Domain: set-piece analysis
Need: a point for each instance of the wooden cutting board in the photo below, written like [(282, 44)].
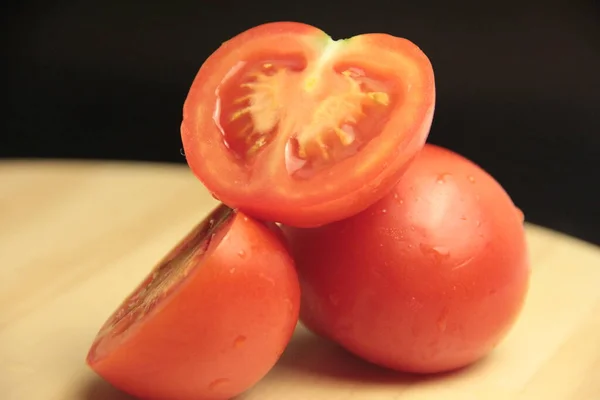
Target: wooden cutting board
[(75, 238)]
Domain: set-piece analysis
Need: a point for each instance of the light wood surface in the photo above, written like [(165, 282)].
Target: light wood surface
[(75, 238)]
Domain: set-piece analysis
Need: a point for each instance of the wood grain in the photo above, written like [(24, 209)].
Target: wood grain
[(76, 237)]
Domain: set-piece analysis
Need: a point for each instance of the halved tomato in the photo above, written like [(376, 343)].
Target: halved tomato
[(209, 321), (289, 125)]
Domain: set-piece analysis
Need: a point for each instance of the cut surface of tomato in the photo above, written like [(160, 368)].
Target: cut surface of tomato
[(209, 321), (289, 125)]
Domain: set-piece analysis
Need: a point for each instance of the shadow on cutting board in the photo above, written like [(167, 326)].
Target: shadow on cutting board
[(98, 389), (312, 355), (308, 357)]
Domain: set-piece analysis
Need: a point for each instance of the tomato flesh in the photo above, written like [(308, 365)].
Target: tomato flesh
[(209, 321), (429, 279), (279, 115), (317, 127)]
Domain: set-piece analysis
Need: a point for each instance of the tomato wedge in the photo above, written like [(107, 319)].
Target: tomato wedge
[(287, 124), (210, 320)]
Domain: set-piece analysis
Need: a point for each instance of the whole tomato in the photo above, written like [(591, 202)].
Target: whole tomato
[(428, 279)]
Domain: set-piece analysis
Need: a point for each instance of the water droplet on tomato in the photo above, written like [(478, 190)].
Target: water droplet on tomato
[(471, 178), (478, 223), (182, 152), (441, 250), (289, 304), (442, 321), (414, 304), (232, 270), (384, 211), (441, 178), (520, 214), (214, 196), (218, 382), (437, 253), (239, 341), (412, 228), (267, 278), (242, 254), (293, 163)]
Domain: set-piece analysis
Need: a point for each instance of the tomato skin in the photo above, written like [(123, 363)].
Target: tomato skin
[(429, 279), (267, 192), (219, 331)]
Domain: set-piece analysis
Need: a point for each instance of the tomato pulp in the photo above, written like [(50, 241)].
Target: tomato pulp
[(428, 279), (209, 321), (286, 124)]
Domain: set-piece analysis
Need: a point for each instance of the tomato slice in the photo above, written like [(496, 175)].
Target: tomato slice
[(210, 320), (289, 125)]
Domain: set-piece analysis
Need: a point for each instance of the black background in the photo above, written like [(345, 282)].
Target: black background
[(517, 83)]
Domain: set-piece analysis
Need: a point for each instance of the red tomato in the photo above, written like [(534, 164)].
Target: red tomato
[(428, 279), (288, 125), (209, 321)]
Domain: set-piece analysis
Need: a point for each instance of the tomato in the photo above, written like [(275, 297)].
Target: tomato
[(429, 279), (209, 321), (286, 124)]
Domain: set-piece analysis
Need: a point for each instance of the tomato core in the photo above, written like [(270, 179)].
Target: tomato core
[(317, 111)]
